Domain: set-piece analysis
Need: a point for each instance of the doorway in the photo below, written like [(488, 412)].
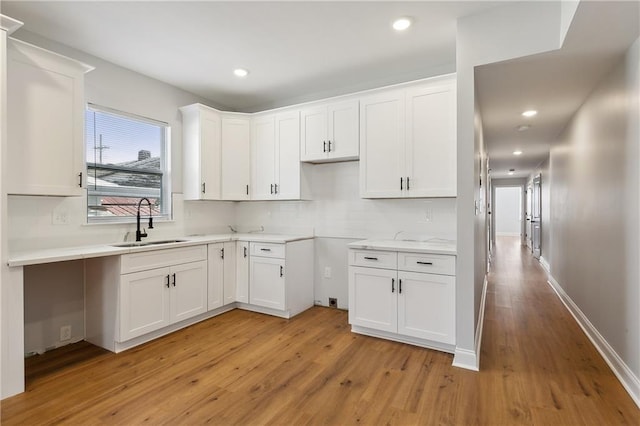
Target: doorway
[(507, 211)]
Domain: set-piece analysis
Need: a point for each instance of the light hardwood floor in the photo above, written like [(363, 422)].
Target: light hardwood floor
[(537, 367)]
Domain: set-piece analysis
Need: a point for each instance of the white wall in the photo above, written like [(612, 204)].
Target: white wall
[(594, 174), (507, 210)]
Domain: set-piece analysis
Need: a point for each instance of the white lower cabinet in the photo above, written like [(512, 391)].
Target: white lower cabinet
[(222, 274), (242, 271), (267, 282), (396, 294)]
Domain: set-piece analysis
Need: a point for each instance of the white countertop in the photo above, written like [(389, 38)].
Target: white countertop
[(435, 246), (34, 257)]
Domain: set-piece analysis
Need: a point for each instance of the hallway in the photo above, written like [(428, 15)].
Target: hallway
[(543, 368)]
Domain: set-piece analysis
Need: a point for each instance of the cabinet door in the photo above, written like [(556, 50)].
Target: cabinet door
[(431, 141), (236, 155), (373, 298), (242, 271), (266, 282), (45, 119), (426, 306), (313, 134), (210, 155), (288, 156), (229, 260), (189, 290), (382, 122), (215, 276), (263, 158), (144, 302), (343, 138)]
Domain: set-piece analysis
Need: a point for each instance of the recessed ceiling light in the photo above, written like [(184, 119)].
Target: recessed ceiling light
[(517, 152), (529, 113), (240, 72), (401, 24), (523, 127)]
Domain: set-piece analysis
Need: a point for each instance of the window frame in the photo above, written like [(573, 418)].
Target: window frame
[(165, 163)]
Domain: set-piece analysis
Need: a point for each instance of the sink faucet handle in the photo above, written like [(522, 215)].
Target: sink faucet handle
[(150, 222)]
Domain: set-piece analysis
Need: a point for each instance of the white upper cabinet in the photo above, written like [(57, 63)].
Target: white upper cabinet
[(236, 151), (408, 141), (329, 132), (275, 157), (201, 153), (45, 148)]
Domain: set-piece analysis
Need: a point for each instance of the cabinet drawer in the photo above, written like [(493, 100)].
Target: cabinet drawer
[(431, 263), (373, 258), (144, 260), (268, 250)]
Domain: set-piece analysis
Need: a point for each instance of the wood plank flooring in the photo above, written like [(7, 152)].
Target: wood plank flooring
[(537, 368)]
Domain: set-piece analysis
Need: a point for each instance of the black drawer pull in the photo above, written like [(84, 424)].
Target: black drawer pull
[(370, 258), (400, 286), (264, 249), (393, 281), (424, 263)]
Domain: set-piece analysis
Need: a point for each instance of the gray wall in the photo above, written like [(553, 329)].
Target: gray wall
[(594, 209)]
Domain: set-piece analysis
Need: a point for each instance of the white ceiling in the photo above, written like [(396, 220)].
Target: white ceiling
[(555, 84), (295, 51)]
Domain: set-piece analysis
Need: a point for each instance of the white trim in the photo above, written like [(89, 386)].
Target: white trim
[(629, 381), (545, 265), (465, 358), (9, 24)]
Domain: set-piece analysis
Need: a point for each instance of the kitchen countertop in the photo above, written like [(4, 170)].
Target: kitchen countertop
[(434, 246), (35, 257)]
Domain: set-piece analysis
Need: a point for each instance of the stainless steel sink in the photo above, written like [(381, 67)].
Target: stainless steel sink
[(147, 243)]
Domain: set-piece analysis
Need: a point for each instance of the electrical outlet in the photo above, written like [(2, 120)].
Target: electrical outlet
[(65, 333), (327, 271), (333, 302), (60, 217)]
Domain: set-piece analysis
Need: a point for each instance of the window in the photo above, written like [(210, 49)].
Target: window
[(127, 160)]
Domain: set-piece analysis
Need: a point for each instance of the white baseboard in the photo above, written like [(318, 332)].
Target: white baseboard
[(629, 380), (465, 358), (545, 264)]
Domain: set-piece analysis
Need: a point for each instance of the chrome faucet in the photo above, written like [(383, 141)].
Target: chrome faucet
[(139, 234)]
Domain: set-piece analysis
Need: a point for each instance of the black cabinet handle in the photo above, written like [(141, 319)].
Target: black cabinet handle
[(324, 146), (408, 183), (247, 189), (424, 263), (264, 249), (393, 285), (400, 286), (272, 188), (204, 188), (174, 280), (245, 251), (276, 187), (167, 280), (80, 179), (400, 184), (222, 253), (329, 146), (281, 270), (370, 258)]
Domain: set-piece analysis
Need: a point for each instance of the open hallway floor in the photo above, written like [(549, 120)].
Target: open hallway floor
[(537, 367)]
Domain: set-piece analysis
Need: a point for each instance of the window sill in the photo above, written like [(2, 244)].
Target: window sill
[(144, 221)]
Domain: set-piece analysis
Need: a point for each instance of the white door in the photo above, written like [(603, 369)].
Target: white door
[(430, 156), (189, 290), (426, 306), (236, 156), (313, 134), (263, 158), (229, 261), (288, 156), (215, 276), (373, 298), (242, 271), (210, 155), (382, 123), (144, 302), (266, 282), (343, 134)]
